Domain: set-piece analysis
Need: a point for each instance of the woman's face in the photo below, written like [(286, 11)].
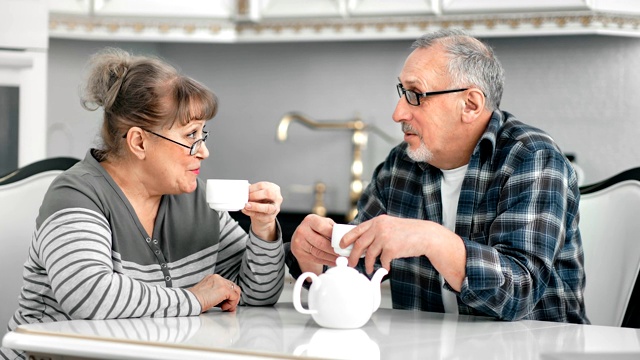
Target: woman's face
[(172, 170)]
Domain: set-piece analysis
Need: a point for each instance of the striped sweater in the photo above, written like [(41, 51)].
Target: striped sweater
[(90, 257)]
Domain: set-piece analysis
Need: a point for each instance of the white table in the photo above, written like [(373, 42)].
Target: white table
[(281, 332)]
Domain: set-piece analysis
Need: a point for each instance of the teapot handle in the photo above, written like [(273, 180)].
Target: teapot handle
[(297, 288)]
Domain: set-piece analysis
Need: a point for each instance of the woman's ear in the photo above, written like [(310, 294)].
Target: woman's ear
[(473, 105), (136, 142)]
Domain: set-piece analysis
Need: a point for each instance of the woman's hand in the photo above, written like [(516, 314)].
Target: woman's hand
[(216, 291), (263, 207)]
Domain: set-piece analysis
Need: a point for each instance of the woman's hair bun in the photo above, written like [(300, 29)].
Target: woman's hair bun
[(106, 72)]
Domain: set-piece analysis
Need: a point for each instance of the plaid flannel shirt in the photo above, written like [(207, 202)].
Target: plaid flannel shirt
[(517, 216)]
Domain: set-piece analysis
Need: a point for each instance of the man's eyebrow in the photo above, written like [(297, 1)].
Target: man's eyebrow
[(409, 82)]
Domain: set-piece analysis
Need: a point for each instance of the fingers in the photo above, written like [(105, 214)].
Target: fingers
[(265, 193), (263, 207), (321, 254), (371, 240), (311, 242), (231, 303), (266, 210), (214, 290)]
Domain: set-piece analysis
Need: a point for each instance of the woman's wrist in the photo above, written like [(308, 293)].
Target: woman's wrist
[(267, 232)]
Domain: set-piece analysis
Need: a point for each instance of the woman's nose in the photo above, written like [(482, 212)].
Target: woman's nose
[(203, 152)]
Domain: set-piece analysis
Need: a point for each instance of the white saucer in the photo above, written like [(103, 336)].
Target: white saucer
[(227, 206)]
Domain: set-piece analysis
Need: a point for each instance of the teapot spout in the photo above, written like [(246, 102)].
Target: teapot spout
[(375, 284)]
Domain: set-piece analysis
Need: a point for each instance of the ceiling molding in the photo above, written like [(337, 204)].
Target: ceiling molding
[(336, 29)]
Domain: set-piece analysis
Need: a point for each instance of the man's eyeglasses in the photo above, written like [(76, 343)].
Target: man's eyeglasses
[(193, 149), (413, 98)]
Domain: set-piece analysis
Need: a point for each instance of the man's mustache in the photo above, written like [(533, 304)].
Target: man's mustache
[(407, 128)]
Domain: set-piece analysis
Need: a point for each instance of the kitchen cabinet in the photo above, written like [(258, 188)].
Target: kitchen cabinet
[(219, 9), (224, 9), (488, 6), (335, 20), (290, 9), (283, 9), (24, 43), (76, 7), (23, 24), (390, 8)]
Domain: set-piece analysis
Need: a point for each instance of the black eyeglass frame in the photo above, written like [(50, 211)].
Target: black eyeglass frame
[(193, 149), (403, 91)]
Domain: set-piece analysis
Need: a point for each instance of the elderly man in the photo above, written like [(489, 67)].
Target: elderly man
[(475, 212)]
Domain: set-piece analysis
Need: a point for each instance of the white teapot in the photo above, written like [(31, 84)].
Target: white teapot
[(341, 298)]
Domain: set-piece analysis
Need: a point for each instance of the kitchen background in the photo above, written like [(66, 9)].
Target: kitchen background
[(562, 76), (583, 90)]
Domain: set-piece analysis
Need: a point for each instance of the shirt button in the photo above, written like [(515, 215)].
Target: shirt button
[(167, 278), (148, 239), (157, 252), (163, 265), (155, 241)]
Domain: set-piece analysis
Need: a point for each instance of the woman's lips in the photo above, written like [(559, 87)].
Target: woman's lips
[(196, 171)]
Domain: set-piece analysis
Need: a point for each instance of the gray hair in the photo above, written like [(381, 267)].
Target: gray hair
[(472, 62), (141, 91)]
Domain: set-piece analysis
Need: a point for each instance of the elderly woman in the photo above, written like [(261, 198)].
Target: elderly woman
[(127, 231)]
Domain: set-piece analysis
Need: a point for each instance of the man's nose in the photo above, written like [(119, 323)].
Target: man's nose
[(401, 112)]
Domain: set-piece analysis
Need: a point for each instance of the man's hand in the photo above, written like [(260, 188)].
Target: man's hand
[(389, 238), (311, 244)]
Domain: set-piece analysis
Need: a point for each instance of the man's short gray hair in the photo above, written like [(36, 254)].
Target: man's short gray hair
[(472, 63)]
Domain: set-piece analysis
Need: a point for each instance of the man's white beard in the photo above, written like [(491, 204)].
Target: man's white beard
[(422, 153)]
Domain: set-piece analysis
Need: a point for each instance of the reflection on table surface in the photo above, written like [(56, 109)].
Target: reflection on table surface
[(282, 332)]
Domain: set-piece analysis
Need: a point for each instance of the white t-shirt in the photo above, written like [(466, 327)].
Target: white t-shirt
[(450, 186)]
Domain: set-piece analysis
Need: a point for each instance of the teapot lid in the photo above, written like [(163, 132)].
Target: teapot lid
[(342, 268)]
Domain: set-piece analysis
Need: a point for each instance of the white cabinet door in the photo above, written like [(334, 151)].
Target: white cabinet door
[(24, 24), (484, 6), (75, 7), (393, 7), (166, 8), (292, 9), (621, 6)]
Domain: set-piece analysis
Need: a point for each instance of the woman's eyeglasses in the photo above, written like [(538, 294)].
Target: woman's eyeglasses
[(193, 149)]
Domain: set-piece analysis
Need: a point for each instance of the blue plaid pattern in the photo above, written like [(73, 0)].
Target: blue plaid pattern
[(517, 216)]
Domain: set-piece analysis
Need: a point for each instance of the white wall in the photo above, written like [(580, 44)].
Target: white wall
[(581, 89)]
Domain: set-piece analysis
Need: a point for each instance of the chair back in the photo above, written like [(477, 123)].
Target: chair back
[(610, 230), (21, 194)]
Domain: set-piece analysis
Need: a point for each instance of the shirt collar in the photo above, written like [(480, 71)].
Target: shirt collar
[(486, 146)]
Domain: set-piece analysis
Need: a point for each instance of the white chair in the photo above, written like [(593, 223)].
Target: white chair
[(610, 229), (21, 194)]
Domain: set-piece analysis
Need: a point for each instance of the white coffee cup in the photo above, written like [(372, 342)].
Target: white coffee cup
[(336, 235), (227, 195)]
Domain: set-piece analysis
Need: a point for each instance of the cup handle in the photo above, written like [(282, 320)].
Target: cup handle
[(297, 288)]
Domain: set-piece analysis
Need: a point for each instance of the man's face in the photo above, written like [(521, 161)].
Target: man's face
[(430, 128)]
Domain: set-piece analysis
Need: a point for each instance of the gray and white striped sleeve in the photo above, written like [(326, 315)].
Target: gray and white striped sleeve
[(256, 265), (74, 245)]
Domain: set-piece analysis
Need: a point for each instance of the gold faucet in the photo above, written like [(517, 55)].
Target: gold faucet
[(318, 206), (358, 139)]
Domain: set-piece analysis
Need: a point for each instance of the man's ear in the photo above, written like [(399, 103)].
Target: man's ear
[(473, 105), (136, 142)]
